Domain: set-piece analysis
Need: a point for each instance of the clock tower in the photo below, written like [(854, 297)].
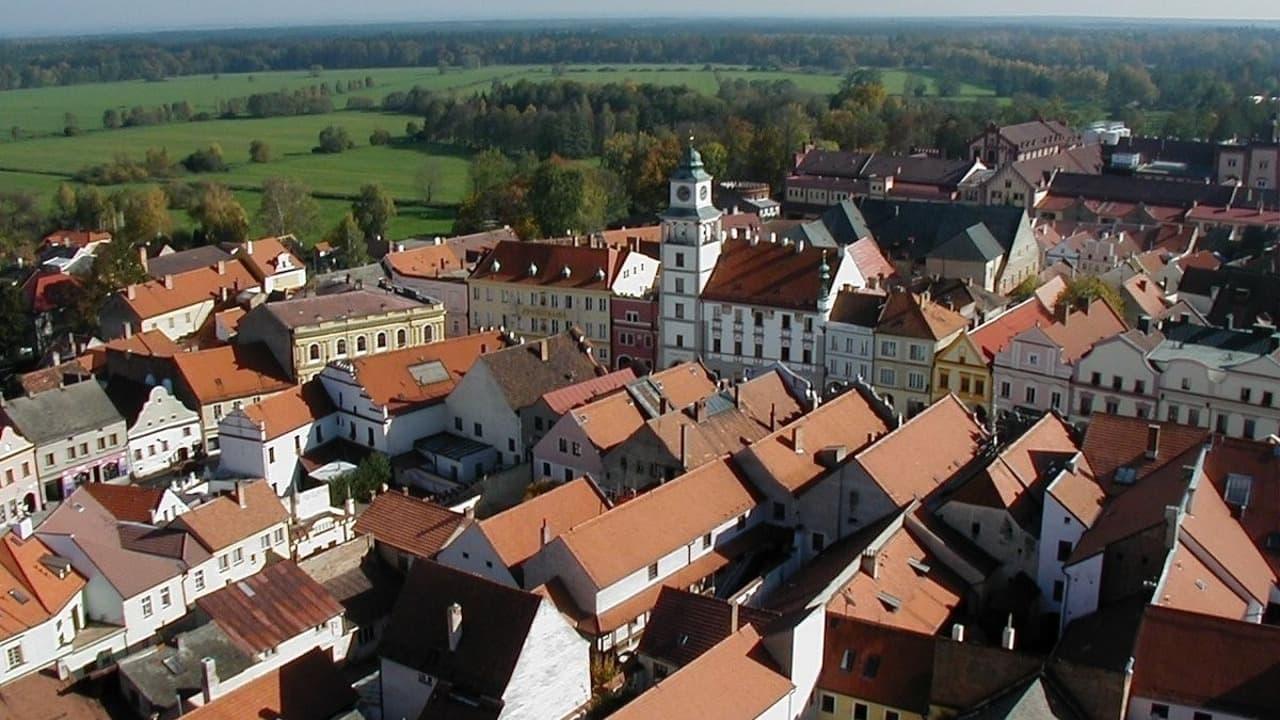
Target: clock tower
[(691, 244)]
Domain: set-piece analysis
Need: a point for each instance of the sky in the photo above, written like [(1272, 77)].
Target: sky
[(45, 17)]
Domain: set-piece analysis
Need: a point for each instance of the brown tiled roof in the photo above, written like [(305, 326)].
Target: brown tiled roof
[(858, 307), (30, 591), (684, 384), (1083, 329), (428, 261), (75, 238), (629, 537), (1037, 133), (152, 298), (896, 464), (418, 527), (308, 688), (589, 268), (151, 342), (389, 380), (222, 522), (1259, 462), (870, 260), (736, 679), (128, 503), (848, 420), (1205, 662), (495, 627), (316, 309), (260, 256), (1086, 159), (769, 274), (609, 421), (1193, 586), (926, 600), (523, 376), (1144, 293), (684, 625), (994, 335), (563, 400), (231, 371), (264, 610), (516, 534), (291, 409), (1215, 529), (906, 314), (877, 663), (1112, 442), (1137, 508)]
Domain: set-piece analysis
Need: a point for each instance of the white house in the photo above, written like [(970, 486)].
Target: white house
[(272, 264), (163, 432), (239, 529), (42, 601), (266, 439), (851, 336), (1115, 377), (457, 641), (19, 486)]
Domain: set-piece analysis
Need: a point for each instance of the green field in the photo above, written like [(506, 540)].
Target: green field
[(42, 157)]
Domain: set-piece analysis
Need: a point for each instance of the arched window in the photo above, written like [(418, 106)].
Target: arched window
[(382, 341), (400, 337), (341, 347), (313, 352), (428, 333), (362, 344)]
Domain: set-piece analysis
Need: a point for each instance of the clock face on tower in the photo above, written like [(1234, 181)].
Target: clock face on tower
[(702, 194), (682, 193)]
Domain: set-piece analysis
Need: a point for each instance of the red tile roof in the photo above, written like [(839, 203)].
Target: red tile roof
[(154, 297), (308, 688), (31, 592), (389, 378), (1205, 662), (896, 464), (627, 538), (418, 527), (1084, 328), (877, 663), (684, 625), (871, 262), (994, 335), (563, 400), (906, 314), (736, 679), (221, 522), (769, 274), (74, 238), (231, 372), (45, 291), (264, 610), (428, 261), (261, 256), (291, 409), (1112, 442), (151, 342), (588, 268), (127, 503), (516, 534), (1259, 462)]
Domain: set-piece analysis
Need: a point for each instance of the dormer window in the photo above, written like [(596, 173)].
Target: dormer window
[(533, 269), (1239, 489)]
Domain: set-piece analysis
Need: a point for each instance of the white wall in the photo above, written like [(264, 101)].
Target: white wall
[(1140, 709), (164, 426), (181, 322), (1057, 525), (637, 275), (477, 399), (1084, 583), (552, 677), (43, 644), (471, 551)]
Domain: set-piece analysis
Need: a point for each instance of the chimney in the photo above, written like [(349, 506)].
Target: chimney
[(249, 247), (23, 529), (684, 447), (957, 632), (168, 282), (733, 617), (142, 257), (208, 679), (737, 396), (1144, 324), (349, 507), (544, 350), (544, 533), (1061, 312), (453, 620), (700, 411), (773, 416), (128, 330), (222, 267), (797, 439), (1008, 634), (131, 292), (1153, 441), (240, 498), (664, 405), (869, 565)]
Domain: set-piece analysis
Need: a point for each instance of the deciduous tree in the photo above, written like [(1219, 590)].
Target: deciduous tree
[(287, 207)]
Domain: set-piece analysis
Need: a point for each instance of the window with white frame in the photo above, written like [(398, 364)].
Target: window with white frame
[(146, 607), (13, 656)]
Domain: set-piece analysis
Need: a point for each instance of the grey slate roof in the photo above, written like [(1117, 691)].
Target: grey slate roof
[(524, 377), (1033, 700), (62, 412), (915, 229), (326, 308), (185, 260), (973, 244), (171, 673), (840, 225), (1214, 347)]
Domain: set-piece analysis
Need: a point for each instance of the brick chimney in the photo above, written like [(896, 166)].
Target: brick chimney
[(168, 282), (453, 620), (544, 533), (240, 498)]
